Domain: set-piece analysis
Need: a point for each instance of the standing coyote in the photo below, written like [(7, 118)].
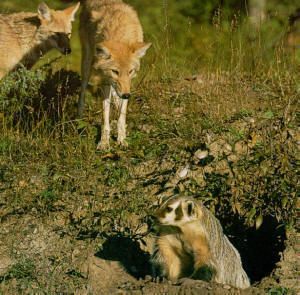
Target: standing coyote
[(112, 46), (191, 242), (25, 37)]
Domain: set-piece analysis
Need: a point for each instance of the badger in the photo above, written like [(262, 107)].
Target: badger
[(190, 242)]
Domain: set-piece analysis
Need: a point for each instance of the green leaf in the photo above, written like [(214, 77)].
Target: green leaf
[(284, 202), (259, 220), (268, 115), (81, 124), (252, 213)]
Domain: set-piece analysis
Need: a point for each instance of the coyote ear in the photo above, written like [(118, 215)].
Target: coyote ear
[(44, 12), (103, 51), (141, 48), (72, 11)]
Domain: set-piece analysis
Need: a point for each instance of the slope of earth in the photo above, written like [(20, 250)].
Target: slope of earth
[(74, 220)]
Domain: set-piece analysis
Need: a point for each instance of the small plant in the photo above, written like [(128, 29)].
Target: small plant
[(24, 269), (45, 200), (115, 175), (18, 95), (279, 291)]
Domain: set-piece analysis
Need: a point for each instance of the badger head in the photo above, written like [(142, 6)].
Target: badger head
[(177, 211)]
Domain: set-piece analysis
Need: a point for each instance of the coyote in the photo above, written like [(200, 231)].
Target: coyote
[(25, 37), (112, 46), (191, 242)]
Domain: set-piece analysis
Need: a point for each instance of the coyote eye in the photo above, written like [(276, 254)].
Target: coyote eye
[(169, 209), (116, 72), (131, 71)]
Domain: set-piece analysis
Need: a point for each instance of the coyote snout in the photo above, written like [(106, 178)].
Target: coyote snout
[(61, 41), (25, 37), (112, 46)]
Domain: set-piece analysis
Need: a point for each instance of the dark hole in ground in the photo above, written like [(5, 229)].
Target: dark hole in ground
[(260, 249), (128, 252)]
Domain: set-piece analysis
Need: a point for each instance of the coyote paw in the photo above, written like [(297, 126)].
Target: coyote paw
[(103, 145), (123, 143)]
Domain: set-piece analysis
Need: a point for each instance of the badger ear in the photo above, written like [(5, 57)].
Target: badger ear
[(44, 12), (190, 208)]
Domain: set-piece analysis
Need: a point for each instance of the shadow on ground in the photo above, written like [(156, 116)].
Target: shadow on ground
[(128, 252), (51, 103)]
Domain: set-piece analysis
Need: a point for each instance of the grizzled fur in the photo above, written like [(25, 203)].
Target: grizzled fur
[(190, 243)]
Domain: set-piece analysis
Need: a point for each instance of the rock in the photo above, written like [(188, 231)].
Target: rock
[(295, 134), (232, 158), (240, 148), (219, 148), (198, 176), (180, 174), (147, 128), (227, 149), (222, 168), (250, 120), (208, 169), (216, 148), (183, 172), (5, 261), (200, 154)]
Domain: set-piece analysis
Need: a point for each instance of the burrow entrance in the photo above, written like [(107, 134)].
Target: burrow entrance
[(259, 248)]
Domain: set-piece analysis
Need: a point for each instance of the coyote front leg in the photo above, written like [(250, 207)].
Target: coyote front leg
[(105, 134), (122, 123)]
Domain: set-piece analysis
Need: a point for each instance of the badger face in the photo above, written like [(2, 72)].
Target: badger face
[(177, 211)]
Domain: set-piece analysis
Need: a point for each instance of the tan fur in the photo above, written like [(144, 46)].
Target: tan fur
[(112, 45), (24, 37), (191, 243)]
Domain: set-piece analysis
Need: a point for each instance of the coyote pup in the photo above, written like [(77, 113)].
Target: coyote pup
[(191, 242), (25, 37), (112, 46)]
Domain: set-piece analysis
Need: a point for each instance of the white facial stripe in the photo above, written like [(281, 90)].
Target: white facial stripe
[(167, 201), (170, 217)]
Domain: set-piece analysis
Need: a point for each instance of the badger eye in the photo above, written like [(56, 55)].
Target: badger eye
[(169, 209), (116, 72), (190, 209)]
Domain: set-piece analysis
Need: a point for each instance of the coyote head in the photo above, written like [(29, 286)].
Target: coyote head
[(56, 26), (118, 63)]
